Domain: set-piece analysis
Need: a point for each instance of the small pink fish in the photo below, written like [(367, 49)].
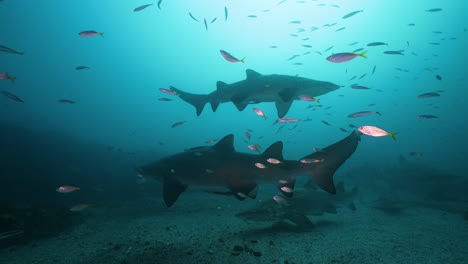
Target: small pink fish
[(259, 112), (166, 91), (375, 132), (308, 98), (80, 207), (273, 161), (254, 147), (287, 120), (247, 135), (260, 165), (211, 141), (309, 161), (178, 124), (67, 189), (280, 200), (344, 57), (5, 76), (90, 33), (286, 189), (229, 57), (283, 181), (65, 101)]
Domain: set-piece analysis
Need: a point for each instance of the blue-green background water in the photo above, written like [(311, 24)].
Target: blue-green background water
[(117, 99)]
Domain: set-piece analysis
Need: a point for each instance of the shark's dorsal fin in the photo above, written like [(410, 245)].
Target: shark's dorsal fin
[(283, 107), (251, 74), (225, 145), (274, 151), (220, 85)]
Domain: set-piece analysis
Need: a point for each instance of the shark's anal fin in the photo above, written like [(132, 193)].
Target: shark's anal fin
[(333, 157), (283, 107), (172, 188)]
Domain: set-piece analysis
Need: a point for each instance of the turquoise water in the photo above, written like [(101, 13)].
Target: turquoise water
[(117, 117)]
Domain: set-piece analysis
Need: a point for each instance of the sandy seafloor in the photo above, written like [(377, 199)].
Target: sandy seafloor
[(203, 228)]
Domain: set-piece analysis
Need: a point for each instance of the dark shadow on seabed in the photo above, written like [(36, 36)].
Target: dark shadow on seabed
[(35, 163)]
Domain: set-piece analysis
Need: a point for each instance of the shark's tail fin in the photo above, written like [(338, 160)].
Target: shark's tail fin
[(197, 100), (322, 165)]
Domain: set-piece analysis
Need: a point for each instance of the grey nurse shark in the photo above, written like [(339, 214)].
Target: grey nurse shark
[(258, 88), (306, 202), (222, 170)]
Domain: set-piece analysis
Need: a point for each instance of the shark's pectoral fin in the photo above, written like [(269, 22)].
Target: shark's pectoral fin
[(286, 95), (283, 107), (172, 188), (240, 102), (241, 191)]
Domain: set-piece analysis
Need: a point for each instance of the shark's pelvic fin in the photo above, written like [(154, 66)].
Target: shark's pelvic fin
[(283, 107), (172, 188), (240, 102), (252, 74), (333, 157), (197, 100)]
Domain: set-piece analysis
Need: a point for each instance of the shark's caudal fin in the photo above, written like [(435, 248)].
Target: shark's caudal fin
[(197, 100), (330, 159)]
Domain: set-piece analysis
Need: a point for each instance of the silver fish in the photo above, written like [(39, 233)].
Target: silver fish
[(363, 113), (9, 50), (351, 14)]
